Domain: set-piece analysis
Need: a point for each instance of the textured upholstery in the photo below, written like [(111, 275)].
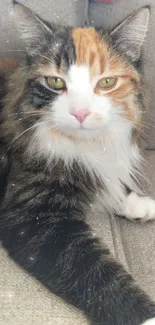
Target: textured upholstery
[(23, 301)]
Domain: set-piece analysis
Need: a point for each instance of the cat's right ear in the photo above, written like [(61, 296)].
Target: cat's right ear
[(33, 30), (128, 37)]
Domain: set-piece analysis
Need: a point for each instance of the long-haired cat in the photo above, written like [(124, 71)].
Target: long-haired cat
[(69, 138)]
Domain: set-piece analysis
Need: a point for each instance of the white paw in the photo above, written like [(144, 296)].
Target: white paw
[(139, 207), (150, 322)]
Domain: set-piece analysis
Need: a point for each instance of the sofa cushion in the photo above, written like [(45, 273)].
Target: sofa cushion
[(108, 16), (70, 12)]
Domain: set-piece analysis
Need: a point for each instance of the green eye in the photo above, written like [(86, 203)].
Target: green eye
[(106, 83), (56, 83)]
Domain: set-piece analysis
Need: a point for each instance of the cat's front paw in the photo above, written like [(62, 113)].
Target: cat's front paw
[(139, 208), (150, 322)]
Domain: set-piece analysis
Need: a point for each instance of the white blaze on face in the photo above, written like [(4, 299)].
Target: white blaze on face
[(80, 90)]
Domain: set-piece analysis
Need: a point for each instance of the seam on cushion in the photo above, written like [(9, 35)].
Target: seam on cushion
[(86, 18), (116, 224)]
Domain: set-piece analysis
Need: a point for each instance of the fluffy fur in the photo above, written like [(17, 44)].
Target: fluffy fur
[(54, 166)]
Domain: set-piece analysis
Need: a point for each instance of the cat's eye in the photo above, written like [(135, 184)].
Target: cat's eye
[(56, 83), (106, 83)]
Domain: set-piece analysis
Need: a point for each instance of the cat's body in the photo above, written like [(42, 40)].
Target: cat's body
[(66, 144)]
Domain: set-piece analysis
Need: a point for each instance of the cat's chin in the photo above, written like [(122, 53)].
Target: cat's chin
[(81, 133)]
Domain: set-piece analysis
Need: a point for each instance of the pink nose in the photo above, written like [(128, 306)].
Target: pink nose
[(81, 114)]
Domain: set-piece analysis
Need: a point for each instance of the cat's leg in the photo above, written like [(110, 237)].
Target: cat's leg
[(138, 207), (67, 259)]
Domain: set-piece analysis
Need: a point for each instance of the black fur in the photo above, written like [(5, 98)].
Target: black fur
[(40, 96)]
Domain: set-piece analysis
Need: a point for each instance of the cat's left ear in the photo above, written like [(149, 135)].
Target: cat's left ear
[(129, 36)]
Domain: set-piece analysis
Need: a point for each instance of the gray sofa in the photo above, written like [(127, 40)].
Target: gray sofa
[(23, 301)]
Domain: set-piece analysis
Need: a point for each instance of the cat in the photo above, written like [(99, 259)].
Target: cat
[(70, 124)]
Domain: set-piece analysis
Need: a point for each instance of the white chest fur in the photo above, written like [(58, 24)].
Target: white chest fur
[(112, 157)]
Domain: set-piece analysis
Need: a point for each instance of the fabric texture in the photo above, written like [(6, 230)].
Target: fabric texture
[(105, 1), (23, 300)]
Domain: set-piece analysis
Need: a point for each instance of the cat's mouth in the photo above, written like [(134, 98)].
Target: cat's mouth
[(81, 132)]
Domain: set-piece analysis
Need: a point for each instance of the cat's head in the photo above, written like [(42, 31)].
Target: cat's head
[(82, 80)]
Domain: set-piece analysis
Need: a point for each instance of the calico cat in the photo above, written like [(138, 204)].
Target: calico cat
[(70, 125)]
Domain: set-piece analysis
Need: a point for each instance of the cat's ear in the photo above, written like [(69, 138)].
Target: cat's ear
[(32, 29), (128, 37)]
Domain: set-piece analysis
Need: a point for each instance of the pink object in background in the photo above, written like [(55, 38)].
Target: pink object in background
[(106, 1)]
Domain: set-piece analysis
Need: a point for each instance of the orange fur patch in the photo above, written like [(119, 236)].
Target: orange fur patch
[(90, 49), (8, 65), (96, 53)]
